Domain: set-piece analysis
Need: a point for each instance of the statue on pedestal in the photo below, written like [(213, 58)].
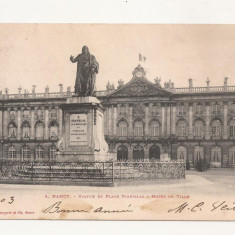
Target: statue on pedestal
[(87, 68)]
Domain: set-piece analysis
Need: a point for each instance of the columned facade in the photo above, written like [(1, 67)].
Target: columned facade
[(188, 124), (142, 120)]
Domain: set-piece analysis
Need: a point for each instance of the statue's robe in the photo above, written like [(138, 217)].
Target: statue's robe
[(85, 79)]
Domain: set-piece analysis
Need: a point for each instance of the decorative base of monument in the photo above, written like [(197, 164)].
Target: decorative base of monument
[(69, 156), (83, 133)]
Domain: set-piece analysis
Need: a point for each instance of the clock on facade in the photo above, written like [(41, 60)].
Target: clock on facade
[(139, 74)]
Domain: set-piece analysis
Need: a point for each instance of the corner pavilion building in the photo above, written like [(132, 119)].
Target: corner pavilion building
[(142, 120)]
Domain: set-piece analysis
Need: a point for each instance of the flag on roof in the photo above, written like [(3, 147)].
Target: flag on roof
[(142, 58)]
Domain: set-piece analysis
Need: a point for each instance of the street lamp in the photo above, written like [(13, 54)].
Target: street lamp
[(2, 148)]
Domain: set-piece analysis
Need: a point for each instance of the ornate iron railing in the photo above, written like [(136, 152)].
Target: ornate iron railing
[(149, 170), (19, 171), (89, 172)]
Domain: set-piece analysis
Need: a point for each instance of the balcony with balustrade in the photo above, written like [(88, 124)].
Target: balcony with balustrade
[(198, 90), (103, 93), (44, 95)]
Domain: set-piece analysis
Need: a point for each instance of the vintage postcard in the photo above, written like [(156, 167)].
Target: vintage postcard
[(117, 122)]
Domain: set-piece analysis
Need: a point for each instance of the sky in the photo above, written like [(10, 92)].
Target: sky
[(38, 54)]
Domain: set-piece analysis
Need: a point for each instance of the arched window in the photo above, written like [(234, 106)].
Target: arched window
[(12, 152), (138, 128), (39, 152), (53, 130), (232, 155), (216, 154), (122, 153), (232, 128), (154, 128), (25, 130), (181, 153), (39, 127), (182, 128), (122, 128), (52, 153), (198, 128), (25, 153), (138, 153), (154, 152), (12, 131), (198, 153), (216, 126)]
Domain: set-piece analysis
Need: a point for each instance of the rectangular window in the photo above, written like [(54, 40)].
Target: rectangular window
[(25, 154), (53, 113), (12, 132), (12, 154), (198, 154), (199, 131), (53, 154), (122, 110), (232, 131), (216, 109), (216, 155), (182, 110), (26, 113), (232, 157), (154, 131), (39, 154), (138, 131), (123, 131), (181, 155), (155, 110), (12, 114), (199, 109), (216, 130), (232, 108), (26, 132), (53, 132), (182, 131)]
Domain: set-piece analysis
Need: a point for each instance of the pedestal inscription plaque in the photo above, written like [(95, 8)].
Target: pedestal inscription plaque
[(78, 129), (83, 133)]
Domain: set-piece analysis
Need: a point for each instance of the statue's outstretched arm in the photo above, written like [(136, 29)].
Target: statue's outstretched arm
[(73, 60)]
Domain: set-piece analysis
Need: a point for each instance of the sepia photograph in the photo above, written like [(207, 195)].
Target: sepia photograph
[(117, 121)]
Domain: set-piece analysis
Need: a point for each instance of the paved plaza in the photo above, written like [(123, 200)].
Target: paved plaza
[(212, 182)]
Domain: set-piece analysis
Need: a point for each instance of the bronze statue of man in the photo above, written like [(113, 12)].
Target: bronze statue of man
[(87, 68)]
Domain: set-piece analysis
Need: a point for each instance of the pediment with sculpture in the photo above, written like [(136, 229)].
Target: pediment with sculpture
[(139, 86)]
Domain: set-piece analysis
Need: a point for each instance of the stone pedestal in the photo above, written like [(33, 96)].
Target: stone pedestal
[(83, 131)]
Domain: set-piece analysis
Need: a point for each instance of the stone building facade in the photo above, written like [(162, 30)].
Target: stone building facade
[(142, 120)]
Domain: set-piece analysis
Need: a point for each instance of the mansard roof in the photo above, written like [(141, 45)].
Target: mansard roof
[(139, 86)]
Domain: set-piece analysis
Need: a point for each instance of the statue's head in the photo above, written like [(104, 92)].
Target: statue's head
[(85, 50)]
